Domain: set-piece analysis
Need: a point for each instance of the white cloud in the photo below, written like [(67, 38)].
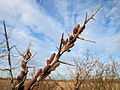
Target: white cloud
[(114, 43)]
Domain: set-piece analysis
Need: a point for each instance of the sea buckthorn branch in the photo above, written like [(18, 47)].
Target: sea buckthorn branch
[(19, 85), (65, 45)]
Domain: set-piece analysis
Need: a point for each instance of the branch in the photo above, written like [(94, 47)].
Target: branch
[(23, 74), (19, 52), (91, 17), (8, 49), (53, 62), (7, 69)]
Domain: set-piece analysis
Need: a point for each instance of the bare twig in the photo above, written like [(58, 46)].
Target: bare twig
[(78, 83), (7, 69), (19, 52), (2, 42), (2, 55), (8, 49)]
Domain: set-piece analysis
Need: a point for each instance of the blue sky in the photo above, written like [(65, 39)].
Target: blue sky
[(43, 21)]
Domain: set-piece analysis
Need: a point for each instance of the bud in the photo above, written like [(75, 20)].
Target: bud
[(68, 50), (70, 46), (52, 57), (75, 30), (66, 41), (56, 65), (71, 37), (45, 69)]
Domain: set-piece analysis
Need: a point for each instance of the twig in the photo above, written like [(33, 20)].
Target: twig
[(2, 55), (79, 83), (8, 49), (7, 69)]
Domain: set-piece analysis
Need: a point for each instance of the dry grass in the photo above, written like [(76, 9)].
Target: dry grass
[(68, 85)]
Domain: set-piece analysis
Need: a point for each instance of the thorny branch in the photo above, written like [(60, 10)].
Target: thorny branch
[(19, 85), (65, 45)]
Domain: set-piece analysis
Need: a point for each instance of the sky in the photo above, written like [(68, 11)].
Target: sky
[(42, 22)]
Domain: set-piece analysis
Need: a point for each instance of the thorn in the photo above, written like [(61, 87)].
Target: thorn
[(60, 44), (93, 18), (68, 33), (57, 47), (28, 48), (97, 10), (29, 45), (17, 71), (86, 40), (19, 52), (12, 47), (65, 63), (86, 17)]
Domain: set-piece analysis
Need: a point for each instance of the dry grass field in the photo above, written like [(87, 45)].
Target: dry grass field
[(68, 85)]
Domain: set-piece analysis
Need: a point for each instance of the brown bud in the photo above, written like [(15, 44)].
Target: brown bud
[(75, 30), (45, 69), (28, 54), (23, 65), (71, 37), (70, 46), (52, 68), (68, 50), (38, 73), (73, 40), (48, 62), (76, 35), (63, 41), (52, 57), (28, 50), (56, 65), (66, 41)]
